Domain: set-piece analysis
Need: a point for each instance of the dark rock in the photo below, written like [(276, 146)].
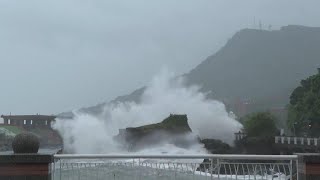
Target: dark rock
[(25, 143), (215, 146), (174, 130)]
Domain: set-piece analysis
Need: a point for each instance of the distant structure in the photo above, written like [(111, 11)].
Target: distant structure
[(240, 135), (28, 121)]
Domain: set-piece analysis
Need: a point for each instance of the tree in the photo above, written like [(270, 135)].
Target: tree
[(304, 108), (261, 129), (260, 125)]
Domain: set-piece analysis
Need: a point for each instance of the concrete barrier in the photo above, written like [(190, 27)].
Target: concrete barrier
[(25, 166), (309, 166)]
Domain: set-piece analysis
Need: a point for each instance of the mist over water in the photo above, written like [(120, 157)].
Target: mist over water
[(207, 118)]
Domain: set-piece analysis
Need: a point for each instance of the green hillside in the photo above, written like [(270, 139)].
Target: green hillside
[(259, 65)]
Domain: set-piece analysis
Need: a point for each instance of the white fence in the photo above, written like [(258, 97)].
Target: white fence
[(176, 167), (305, 141)]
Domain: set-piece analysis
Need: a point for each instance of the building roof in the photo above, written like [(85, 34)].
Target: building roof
[(28, 117)]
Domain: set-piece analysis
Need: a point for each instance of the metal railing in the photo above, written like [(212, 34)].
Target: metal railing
[(176, 167)]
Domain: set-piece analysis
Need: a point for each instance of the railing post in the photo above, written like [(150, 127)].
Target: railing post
[(53, 168), (237, 169), (139, 169), (218, 167), (60, 170), (291, 169), (175, 172), (211, 169), (297, 168)]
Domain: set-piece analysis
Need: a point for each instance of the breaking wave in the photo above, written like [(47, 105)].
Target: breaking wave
[(208, 118)]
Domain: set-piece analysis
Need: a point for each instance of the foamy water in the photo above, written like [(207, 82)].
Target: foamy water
[(207, 118)]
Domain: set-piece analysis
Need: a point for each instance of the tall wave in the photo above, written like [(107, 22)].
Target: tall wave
[(165, 95)]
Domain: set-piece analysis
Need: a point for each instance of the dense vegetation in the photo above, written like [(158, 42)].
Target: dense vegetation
[(260, 66), (304, 108), (260, 129), (260, 125), (216, 146)]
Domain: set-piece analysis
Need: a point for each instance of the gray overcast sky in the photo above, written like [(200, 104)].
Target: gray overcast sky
[(64, 54)]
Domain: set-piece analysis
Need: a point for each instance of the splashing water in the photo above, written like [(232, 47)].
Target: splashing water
[(94, 134)]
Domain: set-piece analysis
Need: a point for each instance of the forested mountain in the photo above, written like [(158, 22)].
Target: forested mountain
[(259, 66)]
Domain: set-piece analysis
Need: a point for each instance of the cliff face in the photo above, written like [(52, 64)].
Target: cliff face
[(173, 129)]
